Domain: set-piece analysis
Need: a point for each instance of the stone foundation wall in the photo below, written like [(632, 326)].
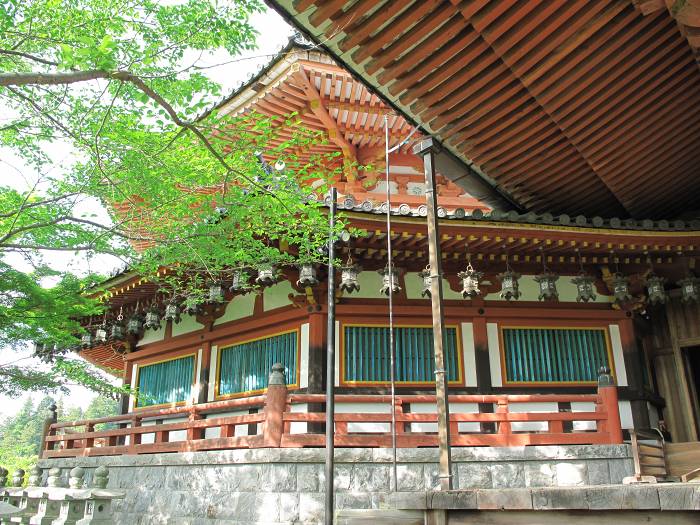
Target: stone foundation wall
[(286, 485)]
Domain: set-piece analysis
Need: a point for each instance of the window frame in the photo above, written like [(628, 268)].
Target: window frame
[(502, 354), (458, 348), (139, 367), (248, 393)]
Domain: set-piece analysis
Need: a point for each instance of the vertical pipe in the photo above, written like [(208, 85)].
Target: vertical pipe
[(330, 363), (426, 148), (392, 349)]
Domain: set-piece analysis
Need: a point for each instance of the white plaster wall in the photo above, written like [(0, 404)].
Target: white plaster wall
[(152, 336), (186, 325), (338, 371), (581, 406), (494, 354), (625, 414), (469, 354), (365, 408), (213, 370), (241, 430), (277, 295), (239, 307), (134, 375), (197, 374), (618, 356), (176, 435), (414, 287), (455, 408), (298, 427), (304, 361), (370, 284), (539, 408)]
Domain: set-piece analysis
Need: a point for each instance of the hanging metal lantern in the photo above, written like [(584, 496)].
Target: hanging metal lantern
[(470, 282), (509, 284), (427, 282), (307, 275), (192, 306), (349, 277), (584, 287), (172, 312), (101, 334), (690, 289), (267, 276), (118, 332), (621, 288), (87, 340), (216, 293), (134, 325), (389, 280), (547, 285), (655, 289), (239, 281), (152, 319)]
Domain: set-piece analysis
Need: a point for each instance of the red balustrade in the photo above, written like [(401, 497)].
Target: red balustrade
[(269, 424)]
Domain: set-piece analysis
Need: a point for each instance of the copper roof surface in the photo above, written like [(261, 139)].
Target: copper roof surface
[(566, 106)]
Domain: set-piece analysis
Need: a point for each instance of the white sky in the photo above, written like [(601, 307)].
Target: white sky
[(274, 34)]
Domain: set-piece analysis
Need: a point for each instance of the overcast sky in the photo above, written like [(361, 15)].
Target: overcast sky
[(274, 34)]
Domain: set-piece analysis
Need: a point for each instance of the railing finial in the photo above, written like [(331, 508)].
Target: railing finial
[(277, 375), (605, 378)]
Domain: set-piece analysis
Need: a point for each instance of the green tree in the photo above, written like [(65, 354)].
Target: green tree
[(154, 164), (19, 438)]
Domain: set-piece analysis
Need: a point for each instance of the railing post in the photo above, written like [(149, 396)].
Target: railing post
[(504, 427), (275, 403), (607, 394), (48, 431)]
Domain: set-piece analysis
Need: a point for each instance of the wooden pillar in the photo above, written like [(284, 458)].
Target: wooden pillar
[(687, 425), (635, 376), (317, 363), (483, 367), (204, 373)]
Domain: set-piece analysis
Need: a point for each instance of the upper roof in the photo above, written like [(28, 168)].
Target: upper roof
[(564, 106)]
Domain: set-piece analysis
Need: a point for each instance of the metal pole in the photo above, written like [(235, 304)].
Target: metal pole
[(330, 363), (392, 346), (426, 148)]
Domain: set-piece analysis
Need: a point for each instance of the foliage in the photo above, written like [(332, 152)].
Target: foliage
[(20, 435), (156, 174)]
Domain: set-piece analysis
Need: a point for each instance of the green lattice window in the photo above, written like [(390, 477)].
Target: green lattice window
[(167, 382), (366, 354), (245, 367), (554, 355)]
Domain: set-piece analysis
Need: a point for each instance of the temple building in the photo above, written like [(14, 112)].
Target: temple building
[(569, 229)]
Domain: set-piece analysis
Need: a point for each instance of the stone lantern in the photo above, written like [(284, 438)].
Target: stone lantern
[(655, 289), (621, 288), (267, 275), (470, 282), (584, 287), (390, 280), (546, 281), (690, 289), (307, 275), (349, 277)]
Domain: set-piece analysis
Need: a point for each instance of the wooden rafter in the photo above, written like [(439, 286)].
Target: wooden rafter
[(316, 104)]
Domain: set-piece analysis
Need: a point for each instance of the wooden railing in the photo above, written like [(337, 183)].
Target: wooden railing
[(272, 420)]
